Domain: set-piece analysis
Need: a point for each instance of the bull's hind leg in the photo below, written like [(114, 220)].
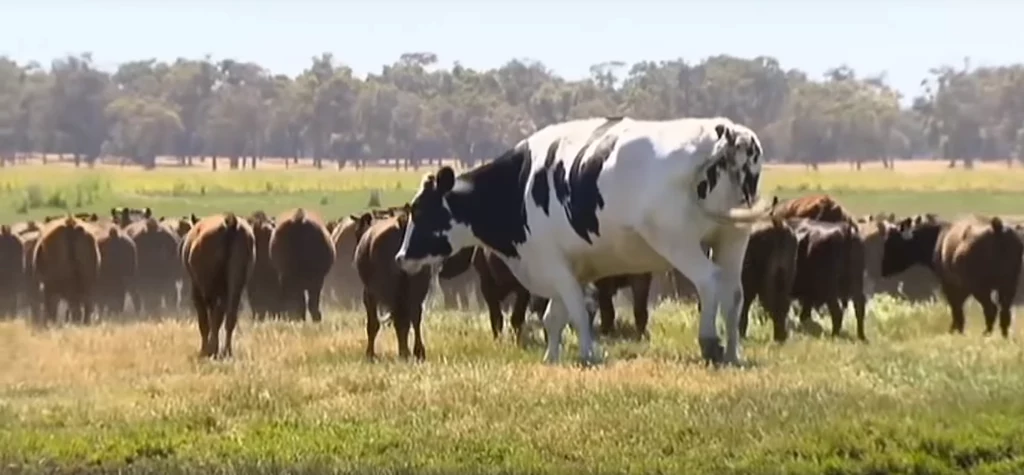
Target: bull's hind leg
[(569, 306), (685, 254)]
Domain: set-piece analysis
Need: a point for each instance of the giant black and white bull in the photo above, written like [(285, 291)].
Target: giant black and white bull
[(590, 198)]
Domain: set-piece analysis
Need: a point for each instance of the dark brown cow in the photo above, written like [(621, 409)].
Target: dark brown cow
[(31, 296), (819, 207), (970, 257), (769, 269), (640, 288), (66, 262), (497, 283), (915, 284), (157, 248), (456, 281), (386, 285), (829, 271), (12, 271), (263, 289), (343, 278), (218, 254), (118, 265), (302, 254)]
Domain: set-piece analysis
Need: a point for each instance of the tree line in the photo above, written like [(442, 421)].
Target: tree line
[(415, 111)]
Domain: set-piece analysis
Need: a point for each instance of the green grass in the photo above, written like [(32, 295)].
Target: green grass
[(32, 192), (300, 398)]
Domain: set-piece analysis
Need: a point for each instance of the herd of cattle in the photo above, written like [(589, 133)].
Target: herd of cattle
[(810, 250)]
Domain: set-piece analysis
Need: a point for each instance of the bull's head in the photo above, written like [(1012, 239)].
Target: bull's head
[(432, 233), (740, 150)]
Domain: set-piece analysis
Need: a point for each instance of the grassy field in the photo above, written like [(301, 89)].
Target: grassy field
[(300, 398)]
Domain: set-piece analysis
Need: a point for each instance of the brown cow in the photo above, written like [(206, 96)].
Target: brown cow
[(262, 289), (12, 271), (970, 257), (218, 255), (302, 254), (829, 271), (118, 265), (343, 278), (66, 262), (915, 284), (385, 284), (819, 207), (157, 248), (769, 269)]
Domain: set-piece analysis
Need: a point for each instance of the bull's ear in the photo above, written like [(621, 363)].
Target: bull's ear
[(407, 208), (720, 130), (445, 179)]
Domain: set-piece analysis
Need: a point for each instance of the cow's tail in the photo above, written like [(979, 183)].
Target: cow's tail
[(71, 230), (230, 232)]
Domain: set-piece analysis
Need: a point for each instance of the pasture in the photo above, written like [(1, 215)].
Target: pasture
[(300, 398)]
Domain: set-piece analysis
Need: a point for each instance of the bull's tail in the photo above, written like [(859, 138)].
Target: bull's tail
[(739, 215)]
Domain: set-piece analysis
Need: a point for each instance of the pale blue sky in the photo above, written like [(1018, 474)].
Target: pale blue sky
[(902, 37)]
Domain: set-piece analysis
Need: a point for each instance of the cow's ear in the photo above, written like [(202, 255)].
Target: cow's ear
[(365, 219), (148, 213), (445, 179)]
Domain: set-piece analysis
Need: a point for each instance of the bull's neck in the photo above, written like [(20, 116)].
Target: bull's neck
[(492, 204)]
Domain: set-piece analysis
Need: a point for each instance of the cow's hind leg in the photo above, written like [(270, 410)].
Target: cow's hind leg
[(640, 286), (606, 290), (313, 302), (203, 319), (956, 298), (372, 322), (988, 307)]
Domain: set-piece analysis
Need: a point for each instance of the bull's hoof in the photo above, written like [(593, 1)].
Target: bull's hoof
[(711, 350)]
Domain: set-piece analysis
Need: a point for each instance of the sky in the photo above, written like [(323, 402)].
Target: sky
[(903, 38)]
